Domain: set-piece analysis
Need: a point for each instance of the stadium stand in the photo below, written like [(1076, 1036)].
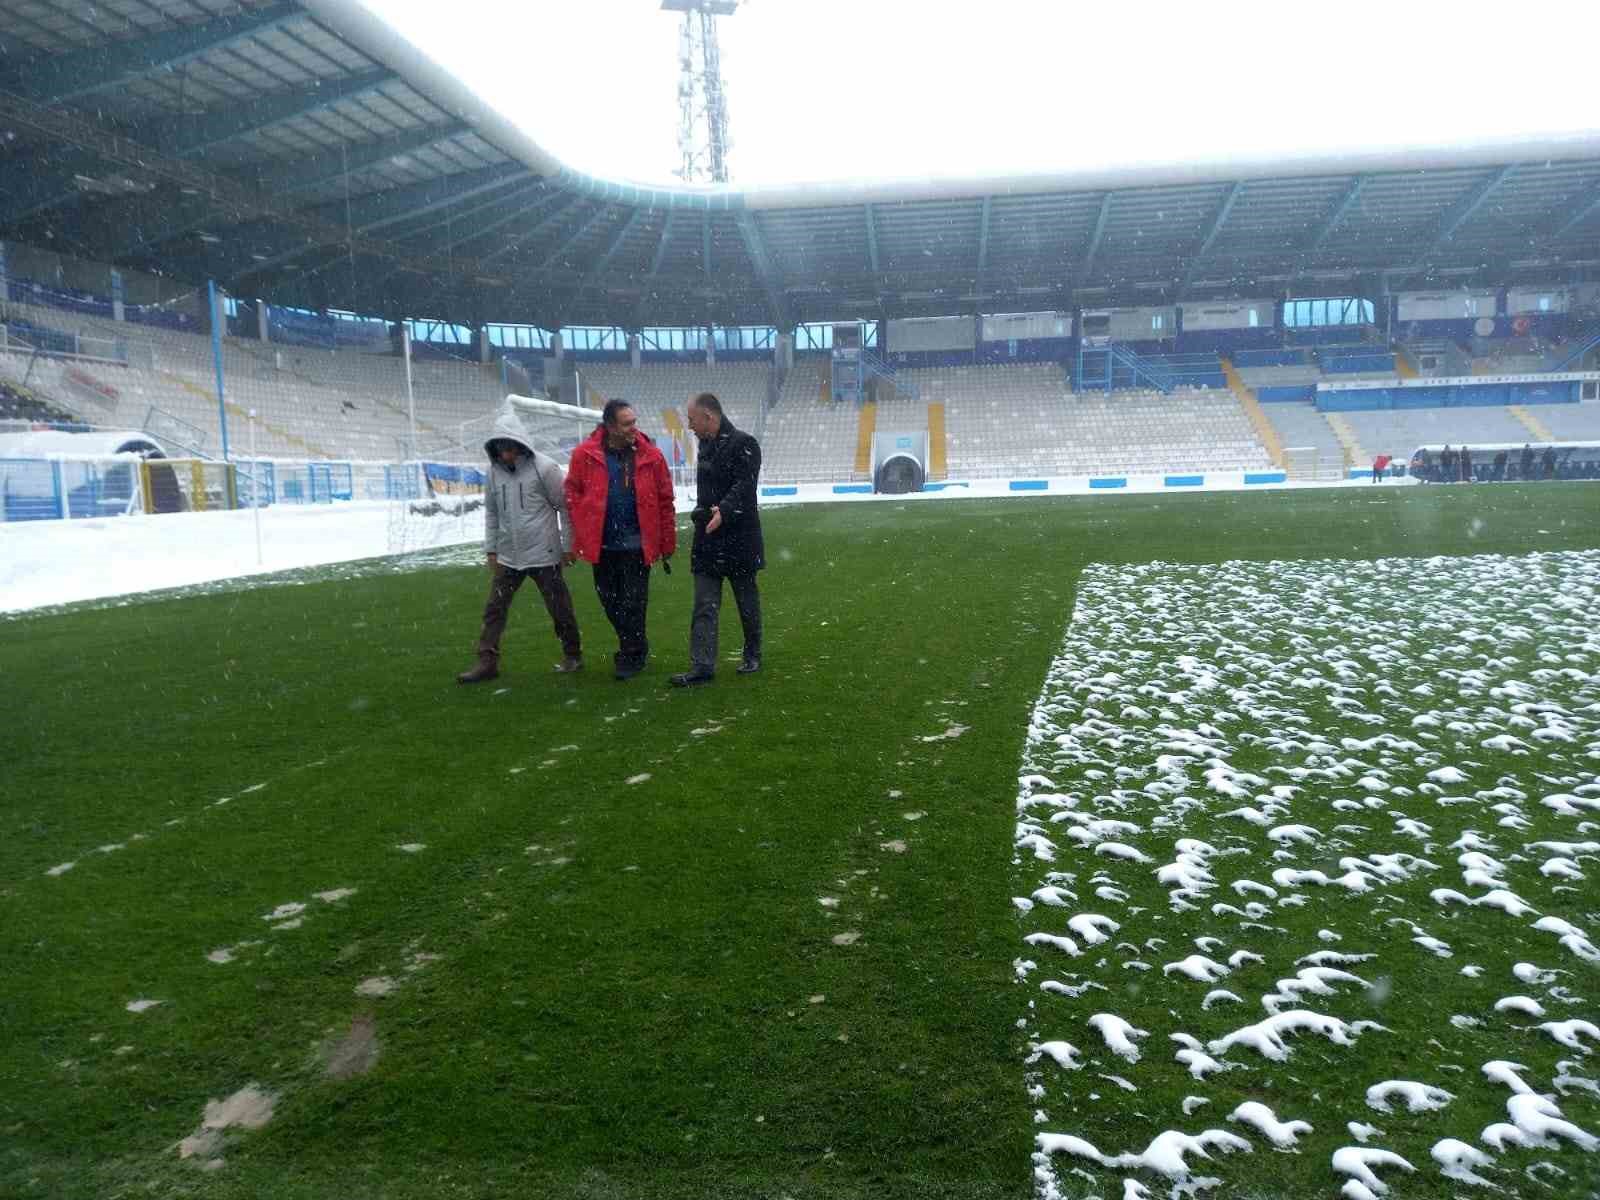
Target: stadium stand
[(1005, 420), (742, 388), (1302, 429), (809, 439), (1399, 431), (349, 403), (1571, 422)]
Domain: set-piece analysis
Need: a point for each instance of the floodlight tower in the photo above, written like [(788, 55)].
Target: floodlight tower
[(702, 101)]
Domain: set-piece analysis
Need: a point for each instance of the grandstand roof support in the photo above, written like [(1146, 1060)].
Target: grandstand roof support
[(592, 276), (983, 245), (1095, 238), (1587, 205), (705, 241), (476, 231), (873, 259), (306, 173), (1341, 207), (656, 261), (1465, 207), (615, 244), (110, 151), (517, 241), (452, 218), (661, 246), (575, 236), (180, 137), (413, 200), (757, 249), (58, 78), (184, 136), (1218, 220), (363, 215)]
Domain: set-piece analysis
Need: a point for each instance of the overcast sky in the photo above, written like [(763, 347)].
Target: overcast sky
[(849, 89)]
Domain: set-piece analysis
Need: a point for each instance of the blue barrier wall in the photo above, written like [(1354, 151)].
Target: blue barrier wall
[(1277, 357), (1286, 393), (1469, 395), (1022, 350), (1351, 364), (1227, 341)]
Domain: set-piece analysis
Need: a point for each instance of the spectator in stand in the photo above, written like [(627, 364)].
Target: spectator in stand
[(1500, 466), (1380, 464), (1466, 465), (1549, 462), (1527, 462), (1447, 464)]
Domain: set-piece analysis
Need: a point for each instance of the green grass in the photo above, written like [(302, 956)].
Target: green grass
[(586, 1031)]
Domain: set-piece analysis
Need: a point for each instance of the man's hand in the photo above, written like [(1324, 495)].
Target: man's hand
[(716, 520), (494, 564), (568, 559)]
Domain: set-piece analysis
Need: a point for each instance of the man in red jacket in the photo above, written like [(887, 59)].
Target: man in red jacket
[(619, 496)]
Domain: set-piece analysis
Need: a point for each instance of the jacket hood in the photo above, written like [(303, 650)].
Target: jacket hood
[(509, 426)]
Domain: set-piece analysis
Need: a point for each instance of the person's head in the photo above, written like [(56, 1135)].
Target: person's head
[(621, 424), (505, 451), (705, 415)]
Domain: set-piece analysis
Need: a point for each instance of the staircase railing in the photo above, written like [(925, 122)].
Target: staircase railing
[(1588, 340), (873, 367), (1136, 370)]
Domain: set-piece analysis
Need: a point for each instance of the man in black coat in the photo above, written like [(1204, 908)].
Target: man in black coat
[(727, 539)]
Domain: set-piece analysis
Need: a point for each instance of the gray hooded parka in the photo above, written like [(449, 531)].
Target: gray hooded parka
[(525, 508)]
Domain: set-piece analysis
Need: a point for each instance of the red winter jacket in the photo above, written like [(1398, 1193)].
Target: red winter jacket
[(588, 480)]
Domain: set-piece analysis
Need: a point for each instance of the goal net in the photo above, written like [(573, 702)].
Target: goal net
[(436, 496)]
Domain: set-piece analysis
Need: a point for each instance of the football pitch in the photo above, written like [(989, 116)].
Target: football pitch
[(954, 898)]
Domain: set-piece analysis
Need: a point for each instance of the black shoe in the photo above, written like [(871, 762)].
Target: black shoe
[(691, 679), (628, 668), (750, 665)]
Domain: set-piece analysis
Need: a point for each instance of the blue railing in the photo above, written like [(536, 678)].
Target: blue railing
[(874, 367), (1588, 340), (1109, 367)]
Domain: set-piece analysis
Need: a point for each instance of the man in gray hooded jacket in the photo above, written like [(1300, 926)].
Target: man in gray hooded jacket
[(527, 535)]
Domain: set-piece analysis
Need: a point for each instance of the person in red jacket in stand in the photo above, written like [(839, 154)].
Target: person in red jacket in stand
[(619, 495)]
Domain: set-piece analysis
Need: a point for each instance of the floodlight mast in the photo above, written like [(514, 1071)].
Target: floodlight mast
[(701, 95)]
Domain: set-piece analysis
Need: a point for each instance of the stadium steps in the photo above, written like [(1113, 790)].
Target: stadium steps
[(1252, 409), (1353, 452), (1541, 431), (866, 425), (1403, 364), (937, 461)]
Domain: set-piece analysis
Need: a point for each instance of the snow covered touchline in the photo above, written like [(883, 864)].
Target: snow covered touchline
[(1252, 796)]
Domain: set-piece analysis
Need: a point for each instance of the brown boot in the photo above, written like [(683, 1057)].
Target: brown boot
[(488, 668), (569, 664)]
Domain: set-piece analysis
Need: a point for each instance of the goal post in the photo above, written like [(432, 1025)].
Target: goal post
[(435, 499)]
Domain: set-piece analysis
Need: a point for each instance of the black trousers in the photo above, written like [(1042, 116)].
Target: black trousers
[(557, 602), (622, 581), (708, 612)]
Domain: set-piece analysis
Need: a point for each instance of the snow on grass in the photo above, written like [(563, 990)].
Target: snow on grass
[(1311, 781)]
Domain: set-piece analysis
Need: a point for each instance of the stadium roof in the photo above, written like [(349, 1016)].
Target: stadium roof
[(306, 153)]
